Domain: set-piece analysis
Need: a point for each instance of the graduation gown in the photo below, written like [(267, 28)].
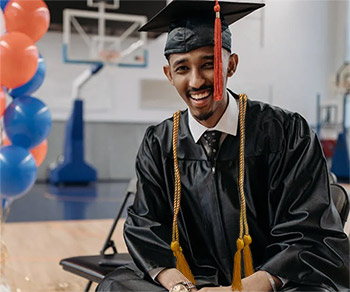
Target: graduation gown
[(297, 233)]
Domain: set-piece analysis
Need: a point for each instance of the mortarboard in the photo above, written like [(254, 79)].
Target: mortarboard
[(192, 24)]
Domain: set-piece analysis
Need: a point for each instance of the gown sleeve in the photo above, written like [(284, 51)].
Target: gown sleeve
[(147, 230), (308, 245)]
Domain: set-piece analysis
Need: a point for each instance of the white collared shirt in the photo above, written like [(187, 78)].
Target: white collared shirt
[(227, 123)]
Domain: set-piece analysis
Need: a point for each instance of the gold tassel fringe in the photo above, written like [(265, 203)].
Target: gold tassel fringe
[(236, 282), (181, 263), (247, 256)]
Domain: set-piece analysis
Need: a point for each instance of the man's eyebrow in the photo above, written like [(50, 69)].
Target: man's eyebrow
[(208, 57), (183, 60)]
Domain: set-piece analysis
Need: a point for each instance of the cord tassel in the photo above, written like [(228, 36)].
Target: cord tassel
[(236, 282), (218, 80), (181, 263), (247, 256)]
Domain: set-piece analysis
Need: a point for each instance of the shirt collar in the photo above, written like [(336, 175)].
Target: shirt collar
[(227, 123)]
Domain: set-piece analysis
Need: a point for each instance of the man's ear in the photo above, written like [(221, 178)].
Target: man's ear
[(232, 65), (167, 72)]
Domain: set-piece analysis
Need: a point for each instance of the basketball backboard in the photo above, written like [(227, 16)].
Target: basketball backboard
[(99, 36)]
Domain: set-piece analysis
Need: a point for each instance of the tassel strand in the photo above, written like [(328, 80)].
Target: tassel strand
[(247, 256), (236, 281), (218, 80)]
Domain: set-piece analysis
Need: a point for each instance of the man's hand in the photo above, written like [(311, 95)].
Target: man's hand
[(256, 282), (170, 277)]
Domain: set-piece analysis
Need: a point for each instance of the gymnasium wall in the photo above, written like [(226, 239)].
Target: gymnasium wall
[(288, 53)]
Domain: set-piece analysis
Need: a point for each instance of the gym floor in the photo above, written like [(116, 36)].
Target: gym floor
[(51, 223)]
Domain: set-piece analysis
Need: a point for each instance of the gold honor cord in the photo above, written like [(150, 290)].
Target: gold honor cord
[(181, 263), (243, 242)]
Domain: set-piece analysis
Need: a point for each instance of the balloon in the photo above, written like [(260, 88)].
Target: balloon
[(31, 17), (39, 152), (27, 121), (2, 23), (17, 171), (18, 59), (2, 102), (33, 84), (3, 4)]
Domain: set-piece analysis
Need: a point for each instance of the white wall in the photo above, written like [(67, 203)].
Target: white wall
[(302, 48)]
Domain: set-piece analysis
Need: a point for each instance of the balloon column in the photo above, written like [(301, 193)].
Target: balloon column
[(26, 120)]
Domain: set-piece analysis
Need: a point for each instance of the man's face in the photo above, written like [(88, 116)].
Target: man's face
[(192, 74)]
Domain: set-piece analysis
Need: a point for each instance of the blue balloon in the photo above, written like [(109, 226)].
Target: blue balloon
[(27, 121), (33, 84), (17, 171), (3, 4)]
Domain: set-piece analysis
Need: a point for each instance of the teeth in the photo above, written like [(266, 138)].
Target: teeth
[(199, 96)]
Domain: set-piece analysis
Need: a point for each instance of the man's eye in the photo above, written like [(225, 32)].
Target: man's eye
[(181, 69), (209, 65)]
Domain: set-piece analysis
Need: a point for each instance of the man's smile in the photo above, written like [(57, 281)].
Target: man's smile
[(200, 97)]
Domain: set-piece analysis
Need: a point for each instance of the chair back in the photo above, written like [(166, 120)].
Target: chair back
[(341, 201)]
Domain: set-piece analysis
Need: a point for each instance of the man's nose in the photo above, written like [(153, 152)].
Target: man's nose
[(196, 79)]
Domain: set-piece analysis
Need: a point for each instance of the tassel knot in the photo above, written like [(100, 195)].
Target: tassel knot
[(240, 244), (247, 239), (217, 7), (175, 247)]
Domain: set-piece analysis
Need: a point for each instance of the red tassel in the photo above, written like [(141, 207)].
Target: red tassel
[(218, 84)]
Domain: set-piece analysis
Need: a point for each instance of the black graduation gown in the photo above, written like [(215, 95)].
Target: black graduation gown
[(297, 233)]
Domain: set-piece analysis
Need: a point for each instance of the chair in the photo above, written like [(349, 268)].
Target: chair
[(95, 267), (341, 201)]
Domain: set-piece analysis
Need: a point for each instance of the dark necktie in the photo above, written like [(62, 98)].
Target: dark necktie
[(212, 139)]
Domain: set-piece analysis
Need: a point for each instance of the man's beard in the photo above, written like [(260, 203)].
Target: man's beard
[(204, 116)]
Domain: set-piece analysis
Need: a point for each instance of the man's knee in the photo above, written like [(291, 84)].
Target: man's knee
[(292, 287), (125, 279)]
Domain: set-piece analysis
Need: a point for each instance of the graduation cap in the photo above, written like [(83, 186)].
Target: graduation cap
[(192, 24)]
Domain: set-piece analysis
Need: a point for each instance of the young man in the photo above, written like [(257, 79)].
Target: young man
[(223, 169)]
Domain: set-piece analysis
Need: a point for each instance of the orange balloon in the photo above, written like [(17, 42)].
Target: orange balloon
[(7, 142), (2, 102), (18, 58), (31, 17), (39, 152)]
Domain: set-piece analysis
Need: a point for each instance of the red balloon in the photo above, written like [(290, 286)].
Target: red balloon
[(39, 152), (2, 102), (31, 17), (18, 58)]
